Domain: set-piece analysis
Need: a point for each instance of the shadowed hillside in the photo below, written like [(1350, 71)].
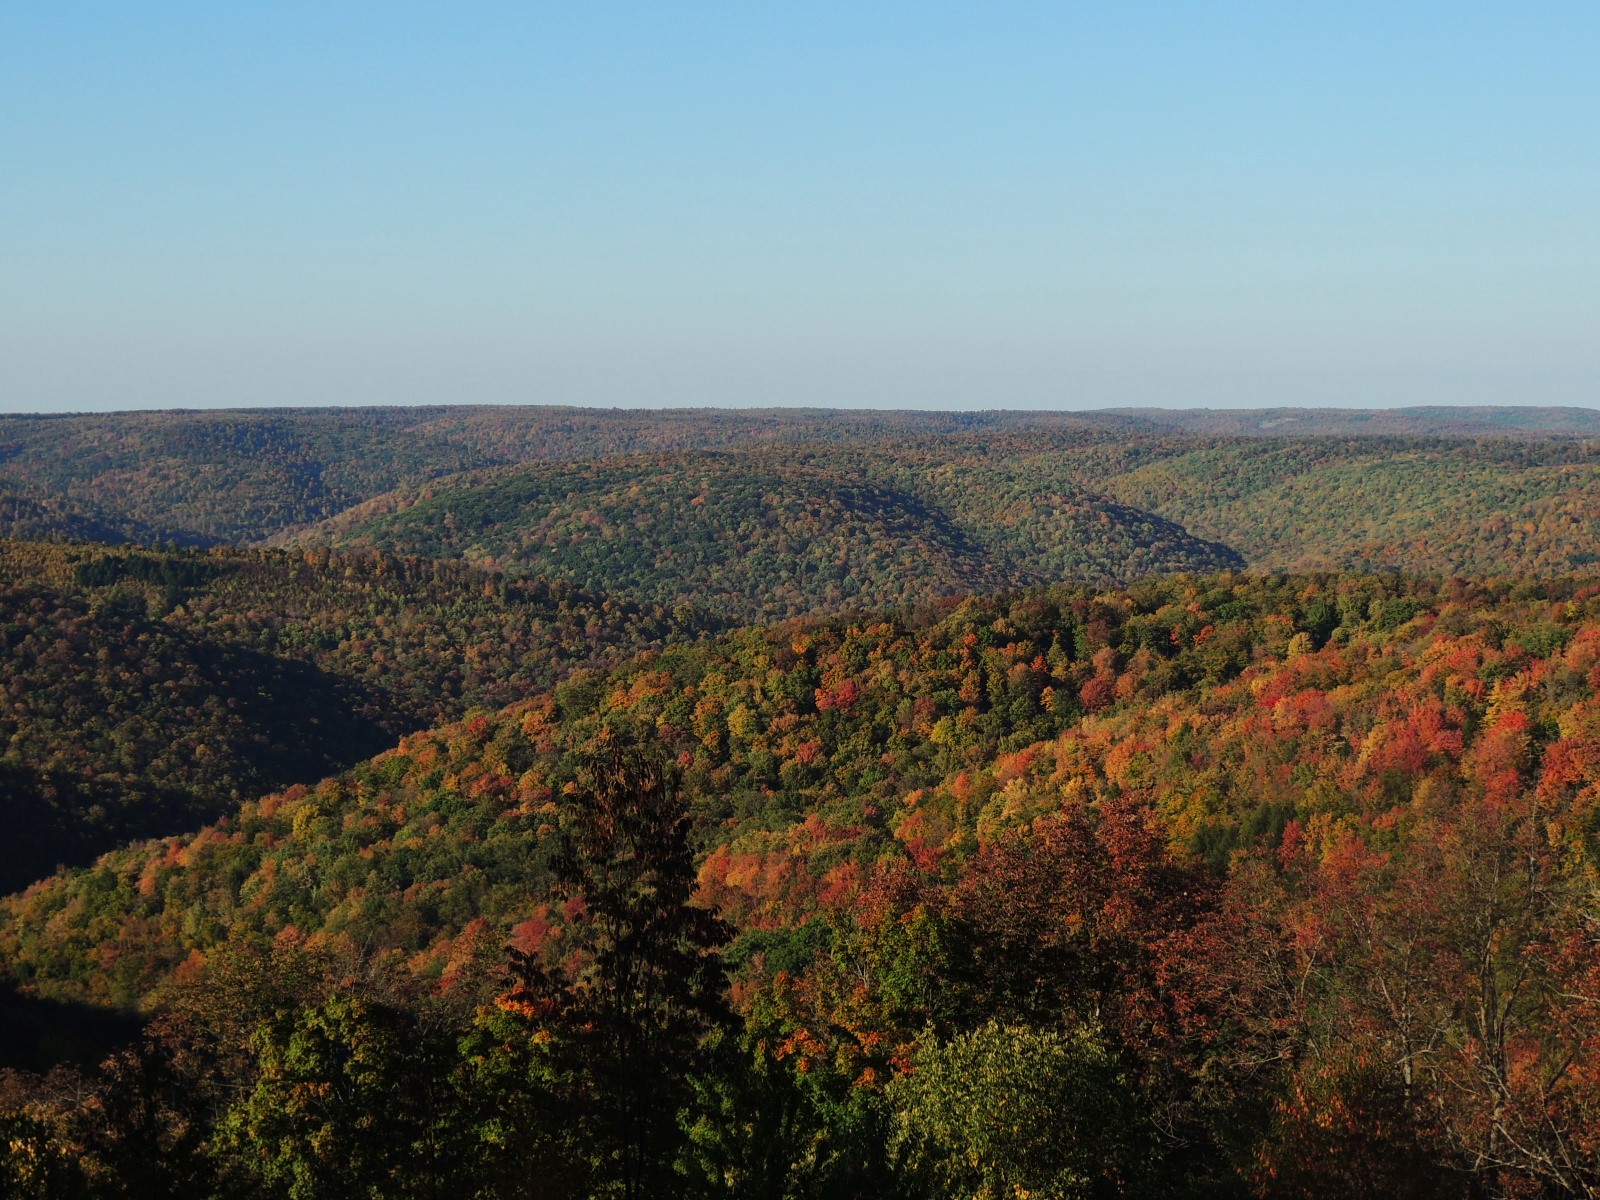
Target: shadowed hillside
[(146, 691)]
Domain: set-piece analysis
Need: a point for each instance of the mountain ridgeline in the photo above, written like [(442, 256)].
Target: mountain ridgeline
[(993, 499), (764, 533), (776, 532)]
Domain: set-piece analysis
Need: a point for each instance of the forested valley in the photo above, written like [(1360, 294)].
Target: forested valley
[(529, 803)]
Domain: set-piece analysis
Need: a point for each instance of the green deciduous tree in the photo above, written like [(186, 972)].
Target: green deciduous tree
[(349, 1104), (1013, 1111)]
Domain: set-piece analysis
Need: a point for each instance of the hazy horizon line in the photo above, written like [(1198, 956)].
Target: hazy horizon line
[(1377, 407)]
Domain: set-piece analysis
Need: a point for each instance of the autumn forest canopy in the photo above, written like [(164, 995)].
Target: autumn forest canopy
[(537, 802)]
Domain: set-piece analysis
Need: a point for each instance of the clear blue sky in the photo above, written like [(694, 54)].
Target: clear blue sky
[(934, 205)]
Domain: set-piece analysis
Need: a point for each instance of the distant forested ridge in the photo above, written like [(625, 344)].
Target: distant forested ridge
[(781, 532), (760, 514), (1436, 506), (767, 532), (1454, 420), (206, 477)]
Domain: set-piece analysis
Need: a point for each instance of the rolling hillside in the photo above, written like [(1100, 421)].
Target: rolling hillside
[(764, 532), (146, 692), (208, 477), (1470, 421), (1210, 828), (1474, 508), (776, 533)]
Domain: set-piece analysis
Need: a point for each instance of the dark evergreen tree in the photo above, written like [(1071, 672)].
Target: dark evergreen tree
[(625, 1022)]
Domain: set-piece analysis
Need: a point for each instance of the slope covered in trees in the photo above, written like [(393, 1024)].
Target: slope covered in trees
[(1230, 885), (205, 477), (26, 518), (470, 875), (780, 532), (244, 476), (1347, 504), (761, 532), (149, 691)]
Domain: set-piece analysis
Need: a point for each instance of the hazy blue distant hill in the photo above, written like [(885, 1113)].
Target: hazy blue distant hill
[(1421, 421)]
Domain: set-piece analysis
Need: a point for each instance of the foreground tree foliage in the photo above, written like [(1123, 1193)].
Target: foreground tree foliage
[(621, 1018), (348, 1103), (1016, 1111), (1224, 886)]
